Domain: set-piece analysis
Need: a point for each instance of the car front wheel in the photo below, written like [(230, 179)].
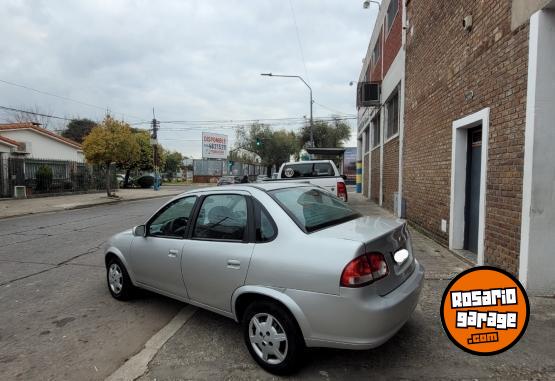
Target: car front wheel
[(272, 337), (119, 283)]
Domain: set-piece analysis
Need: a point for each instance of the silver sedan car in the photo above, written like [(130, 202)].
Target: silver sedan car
[(296, 266)]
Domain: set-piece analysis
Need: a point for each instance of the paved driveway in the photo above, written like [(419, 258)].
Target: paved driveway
[(210, 347)]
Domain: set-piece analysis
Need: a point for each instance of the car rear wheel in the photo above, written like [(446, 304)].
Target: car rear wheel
[(119, 283), (272, 337)]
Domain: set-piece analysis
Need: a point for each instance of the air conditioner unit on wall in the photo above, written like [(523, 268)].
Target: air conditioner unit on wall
[(368, 94), (21, 148)]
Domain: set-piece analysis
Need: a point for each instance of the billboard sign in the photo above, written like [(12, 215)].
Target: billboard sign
[(214, 146)]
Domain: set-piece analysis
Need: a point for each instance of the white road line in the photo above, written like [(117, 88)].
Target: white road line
[(137, 365)]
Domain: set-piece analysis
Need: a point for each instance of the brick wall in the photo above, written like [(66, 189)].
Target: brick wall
[(365, 175), (375, 185), (390, 172), (443, 64), (392, 42)]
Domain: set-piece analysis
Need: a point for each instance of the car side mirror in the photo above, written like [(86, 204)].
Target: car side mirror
[(139, 231)]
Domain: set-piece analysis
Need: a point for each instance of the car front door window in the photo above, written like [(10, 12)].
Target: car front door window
[(172, 222)]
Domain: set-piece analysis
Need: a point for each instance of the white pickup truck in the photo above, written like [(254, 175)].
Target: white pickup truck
[(322, 173)]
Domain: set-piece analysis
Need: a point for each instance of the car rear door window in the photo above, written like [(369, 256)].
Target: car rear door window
[(222, 217), (266, 229), (313, 209), (173, 220)]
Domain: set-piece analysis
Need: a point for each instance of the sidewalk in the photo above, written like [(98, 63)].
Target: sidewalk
[(438, 261), (20, 207)]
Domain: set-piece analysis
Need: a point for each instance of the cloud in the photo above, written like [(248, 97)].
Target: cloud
[(190, 60)]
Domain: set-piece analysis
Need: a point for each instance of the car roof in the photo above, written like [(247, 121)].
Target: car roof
[(264, 187)]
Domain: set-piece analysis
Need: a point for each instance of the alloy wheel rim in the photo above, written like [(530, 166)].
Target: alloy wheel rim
[(268, 338), (115, 278)]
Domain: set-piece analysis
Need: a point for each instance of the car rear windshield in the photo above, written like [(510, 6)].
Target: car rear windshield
[(307, 170), (313, 209)]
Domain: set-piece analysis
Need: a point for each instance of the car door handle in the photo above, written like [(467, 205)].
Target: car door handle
[(172, 253), (233, 264)]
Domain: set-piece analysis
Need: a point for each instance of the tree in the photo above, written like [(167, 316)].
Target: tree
[(326, 134), (273, 147), (144, 160), (31, 115), (78, 129), (110, 142), (173, 163)]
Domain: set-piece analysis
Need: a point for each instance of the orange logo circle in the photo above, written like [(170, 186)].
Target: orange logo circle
[(485, 310)]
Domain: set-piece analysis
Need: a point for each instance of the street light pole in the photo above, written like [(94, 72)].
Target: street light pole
[(311, 100)]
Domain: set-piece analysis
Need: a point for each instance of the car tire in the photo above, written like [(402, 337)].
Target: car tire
[(119, 282), (277, 348)]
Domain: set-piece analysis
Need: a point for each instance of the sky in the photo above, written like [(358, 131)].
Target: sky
[(194, 62)]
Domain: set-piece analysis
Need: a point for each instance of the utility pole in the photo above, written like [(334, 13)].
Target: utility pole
[(154, 142)]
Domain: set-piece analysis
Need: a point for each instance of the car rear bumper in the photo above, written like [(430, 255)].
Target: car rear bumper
[(357, 318)]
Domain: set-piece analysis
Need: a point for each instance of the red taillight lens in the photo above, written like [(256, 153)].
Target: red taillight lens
[(342, 191), (364, 270)]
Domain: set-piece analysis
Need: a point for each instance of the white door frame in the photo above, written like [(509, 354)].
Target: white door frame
[(458, 180)]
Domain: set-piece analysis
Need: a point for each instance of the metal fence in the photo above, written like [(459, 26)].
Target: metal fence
[(44, 177), (3, 177), (217, 168)]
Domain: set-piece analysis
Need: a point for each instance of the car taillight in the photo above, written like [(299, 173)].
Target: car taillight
[(342, 191), (364, 270)]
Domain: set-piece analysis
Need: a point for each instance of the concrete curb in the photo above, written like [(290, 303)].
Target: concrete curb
[(137, 365)]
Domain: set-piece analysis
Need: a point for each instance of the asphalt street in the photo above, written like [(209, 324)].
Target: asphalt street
[(58, 320)]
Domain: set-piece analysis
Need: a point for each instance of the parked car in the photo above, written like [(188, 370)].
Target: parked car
[(121, 180), (296, 266), (323, 173), (227, 180), (237, 252), (145, 181), (261, 178)]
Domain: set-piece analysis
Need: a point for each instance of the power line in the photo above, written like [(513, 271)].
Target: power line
[(217, 122), (199, 128), (34, 113), (299, 39), (332, 110), (62, 97), (203, 124)]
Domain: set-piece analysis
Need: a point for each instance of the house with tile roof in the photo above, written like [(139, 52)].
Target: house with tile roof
[(31, 140)]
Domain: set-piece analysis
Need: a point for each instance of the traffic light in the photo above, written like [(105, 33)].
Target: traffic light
[(258, 142), (230, 164)]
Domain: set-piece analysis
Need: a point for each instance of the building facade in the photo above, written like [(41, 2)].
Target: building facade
[(380, 126), (472, 161)]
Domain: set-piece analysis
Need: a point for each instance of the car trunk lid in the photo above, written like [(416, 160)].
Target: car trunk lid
[(383, 235)]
